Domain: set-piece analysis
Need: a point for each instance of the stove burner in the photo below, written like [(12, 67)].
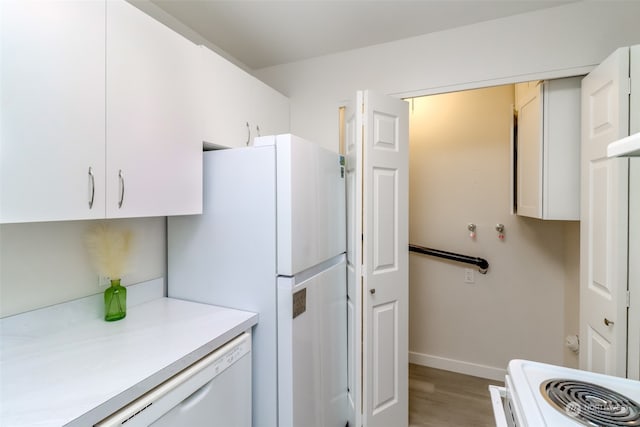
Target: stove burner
[(590, 404)]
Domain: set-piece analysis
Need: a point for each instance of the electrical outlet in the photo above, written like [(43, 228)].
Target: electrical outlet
[(103, 281), (469, 276)]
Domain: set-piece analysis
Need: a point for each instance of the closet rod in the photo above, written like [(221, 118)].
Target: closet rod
[(481, 263)]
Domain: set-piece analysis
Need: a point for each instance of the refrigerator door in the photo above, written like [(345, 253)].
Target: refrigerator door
[(312, 347), (310, 203)]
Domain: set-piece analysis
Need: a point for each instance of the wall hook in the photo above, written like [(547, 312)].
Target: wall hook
[(472, 230)]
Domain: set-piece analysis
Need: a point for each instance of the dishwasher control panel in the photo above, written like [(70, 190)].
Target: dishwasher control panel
[(235, 351)]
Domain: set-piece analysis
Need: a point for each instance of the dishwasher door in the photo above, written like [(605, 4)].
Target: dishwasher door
[(214, 391)]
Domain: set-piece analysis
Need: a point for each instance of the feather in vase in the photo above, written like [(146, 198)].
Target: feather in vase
[(109, 249)]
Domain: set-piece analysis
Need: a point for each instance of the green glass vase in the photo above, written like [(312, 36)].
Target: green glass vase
[(115, 301)]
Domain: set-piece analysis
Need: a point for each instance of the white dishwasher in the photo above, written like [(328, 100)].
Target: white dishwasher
[(214, 391)]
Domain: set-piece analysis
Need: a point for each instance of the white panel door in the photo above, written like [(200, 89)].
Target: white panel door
[(604, 222), (52, 102), (353, 176), (377, 171), (386, 269)]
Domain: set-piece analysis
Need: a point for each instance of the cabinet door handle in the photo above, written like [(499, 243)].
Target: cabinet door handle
[(608, 322), (372, 291), (92, 188), (248, 134), (121, 178)]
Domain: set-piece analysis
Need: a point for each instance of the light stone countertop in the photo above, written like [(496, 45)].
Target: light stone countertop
[(64, 365)]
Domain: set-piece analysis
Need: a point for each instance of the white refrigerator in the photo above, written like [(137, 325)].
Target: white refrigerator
[(272, 240)]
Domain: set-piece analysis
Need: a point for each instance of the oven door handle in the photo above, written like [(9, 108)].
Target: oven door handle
[(497, 393)]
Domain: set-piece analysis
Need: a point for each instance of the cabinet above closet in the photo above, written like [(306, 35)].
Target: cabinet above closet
[(547, 149)]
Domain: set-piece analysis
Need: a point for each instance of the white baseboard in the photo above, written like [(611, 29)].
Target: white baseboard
[(459, 366)]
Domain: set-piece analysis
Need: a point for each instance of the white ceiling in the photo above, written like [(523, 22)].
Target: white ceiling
[(262, 33)]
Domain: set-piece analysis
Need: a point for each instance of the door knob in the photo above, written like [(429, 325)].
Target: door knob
[(372, 291), (608, 322)]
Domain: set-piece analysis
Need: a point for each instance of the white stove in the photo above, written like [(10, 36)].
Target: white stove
[(537, 395)]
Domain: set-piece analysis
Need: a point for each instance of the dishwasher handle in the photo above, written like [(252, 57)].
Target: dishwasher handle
[(196, 397)]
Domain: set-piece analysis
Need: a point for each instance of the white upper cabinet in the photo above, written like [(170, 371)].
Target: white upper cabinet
[(548, 149), (71, 149), (238, 107), (52, 103), (269, 109), (154, 144)]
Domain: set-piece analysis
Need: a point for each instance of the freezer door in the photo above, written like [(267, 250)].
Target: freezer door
[(312, 349), (310, 204)]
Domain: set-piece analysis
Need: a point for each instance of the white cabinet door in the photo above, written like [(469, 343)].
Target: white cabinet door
[(270, 115), (604, 218), (52, 103), (377, 151), (529, 140), (548, 149), (225, 95), (154, 144), (238, 107), (561, 149)]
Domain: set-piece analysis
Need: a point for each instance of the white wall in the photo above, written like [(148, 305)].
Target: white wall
[(460, 174), (571, 288), (47, 263), (566, 40), (558, 42)]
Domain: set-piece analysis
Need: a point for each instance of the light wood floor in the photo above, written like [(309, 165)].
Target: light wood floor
[(440, 398)]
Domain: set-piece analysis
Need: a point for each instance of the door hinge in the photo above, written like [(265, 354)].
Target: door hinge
[(628, 88), (628, 299)]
